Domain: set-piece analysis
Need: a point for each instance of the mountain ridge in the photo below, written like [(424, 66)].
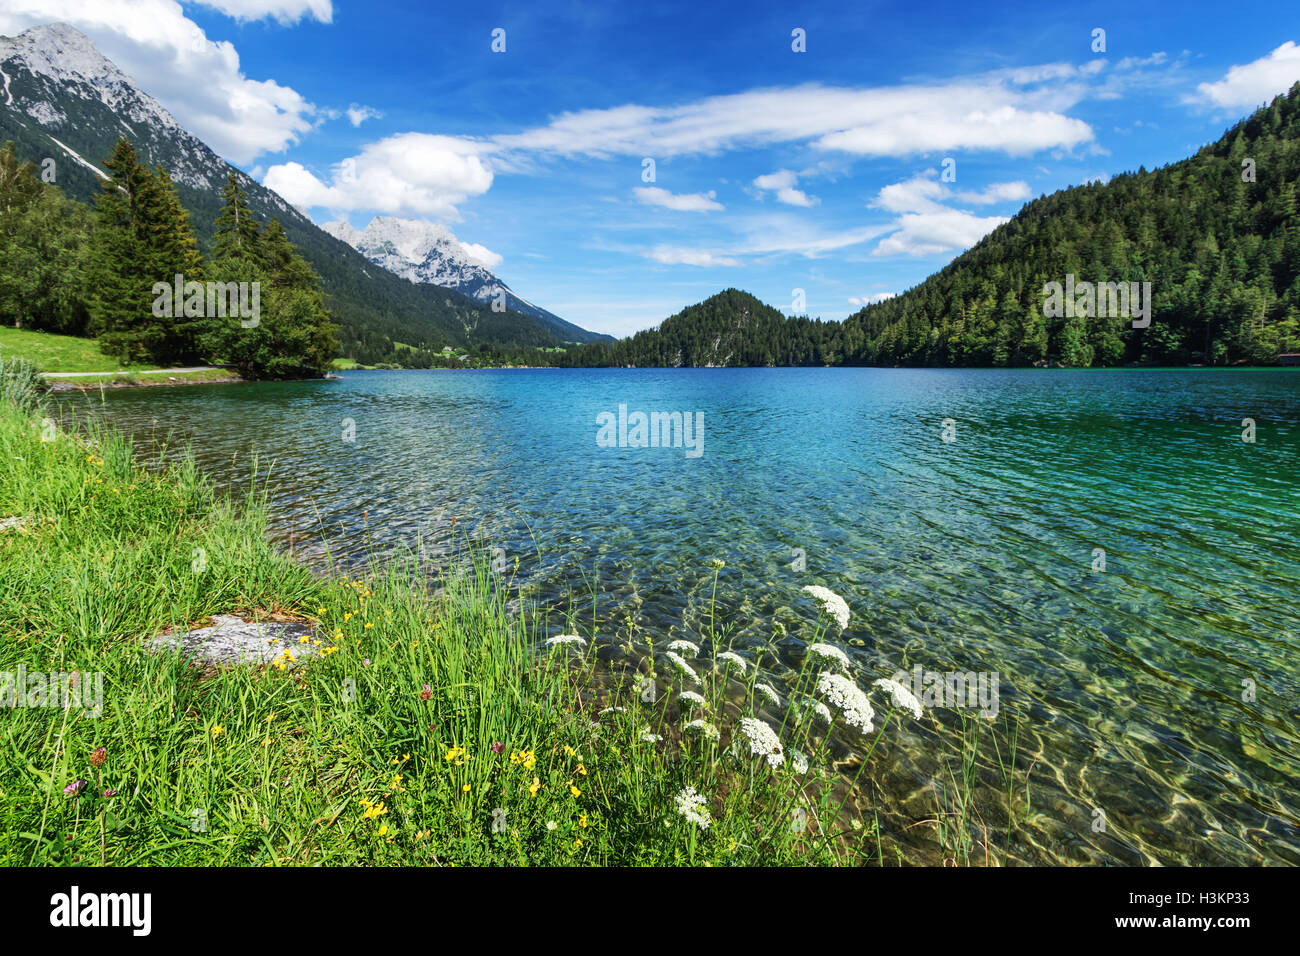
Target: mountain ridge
[(65, 100)]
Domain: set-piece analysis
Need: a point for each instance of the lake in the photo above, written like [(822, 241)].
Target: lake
[(1102, 542)]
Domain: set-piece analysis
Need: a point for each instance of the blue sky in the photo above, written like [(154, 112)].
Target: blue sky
[(775, 170)]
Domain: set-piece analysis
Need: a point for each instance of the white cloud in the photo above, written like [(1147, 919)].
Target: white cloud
[(670, 255), (927, 226), (994, 112), (1255, 83), (779, 234), (997, 192), (285, 11), (359, 114), (481, 254), (782, 182), (406, 174), (683, 202), (861, 300), (171, 59), (928, 233)]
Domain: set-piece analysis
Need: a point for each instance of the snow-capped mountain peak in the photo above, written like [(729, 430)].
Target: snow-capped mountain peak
[(422, 252)]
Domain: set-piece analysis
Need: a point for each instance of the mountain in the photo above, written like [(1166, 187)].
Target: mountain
[(1216, 236), (731, 328), (63, 100), (427, 253)]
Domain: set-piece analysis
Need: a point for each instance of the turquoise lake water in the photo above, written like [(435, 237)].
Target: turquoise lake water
[(1160, 695)]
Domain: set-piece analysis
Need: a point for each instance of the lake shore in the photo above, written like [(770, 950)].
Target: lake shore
[(423, 730)]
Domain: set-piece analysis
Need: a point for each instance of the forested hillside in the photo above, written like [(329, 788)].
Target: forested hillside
[(1217, 236)]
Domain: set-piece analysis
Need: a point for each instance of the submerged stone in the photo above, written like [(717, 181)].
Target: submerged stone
[(231, 640)]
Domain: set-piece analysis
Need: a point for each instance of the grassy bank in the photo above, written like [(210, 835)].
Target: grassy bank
[(61, 353), (433, 726)]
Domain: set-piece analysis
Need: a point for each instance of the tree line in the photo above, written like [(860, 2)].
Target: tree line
[(100, 272)]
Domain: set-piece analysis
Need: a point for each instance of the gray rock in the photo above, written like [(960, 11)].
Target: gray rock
[(231, 640)]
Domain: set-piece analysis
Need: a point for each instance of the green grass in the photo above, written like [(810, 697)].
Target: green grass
[(146, 378), (381, 749), (60, 353)]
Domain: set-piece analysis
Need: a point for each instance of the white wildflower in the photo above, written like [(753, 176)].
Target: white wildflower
[(565, 639), (704, 728), (831, 603), (610, 710), (685, 668), (717, 564), (733, 658), (649, 737), (799, 762), (829, 652), (768, 691), (846, 695), (900, 695), (682, 646), (763, 741), (692, 698), (818, 708), (693, 807)]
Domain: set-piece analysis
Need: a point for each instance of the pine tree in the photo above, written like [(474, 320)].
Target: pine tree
[(237, 230)]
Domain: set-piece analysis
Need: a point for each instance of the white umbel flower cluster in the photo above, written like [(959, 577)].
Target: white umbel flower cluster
[(831, 603), (799, 762), (763, 741), (818, 708), (684, 668), (693, 807), (848, 698), (900, 695), (768, 691), (704, 728), (831, 653), (565, 639), (731, 657), (692, 698), (685, 647)]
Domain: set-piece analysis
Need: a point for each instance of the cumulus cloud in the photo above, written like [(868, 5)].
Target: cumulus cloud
[(782, 182), (927, 233), (481, 254), (409, 173), (197, 80), (1252, 84), (926, 225), (359, 114), (683, 202)]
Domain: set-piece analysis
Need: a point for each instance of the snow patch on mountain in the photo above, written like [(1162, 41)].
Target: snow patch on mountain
[(79, 158)]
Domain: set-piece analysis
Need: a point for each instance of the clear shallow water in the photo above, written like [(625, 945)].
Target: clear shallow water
[(973, 555)]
